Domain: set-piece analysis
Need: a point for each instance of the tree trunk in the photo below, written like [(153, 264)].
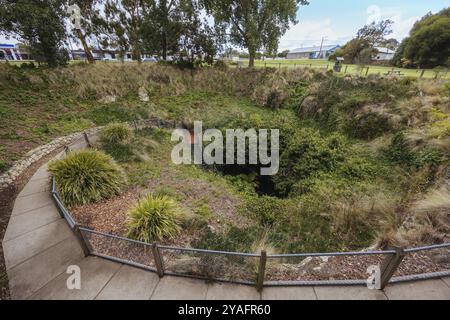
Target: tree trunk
[(251, 60), (87, 51), (164, 46)]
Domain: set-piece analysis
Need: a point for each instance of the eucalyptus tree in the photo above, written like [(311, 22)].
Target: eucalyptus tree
[(124, 19), (178, 28), (255, 24), (91, 23)]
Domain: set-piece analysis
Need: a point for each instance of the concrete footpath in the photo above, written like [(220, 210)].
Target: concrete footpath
[(39, 246)]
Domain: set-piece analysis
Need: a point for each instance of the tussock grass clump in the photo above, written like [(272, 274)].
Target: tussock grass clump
[(154, 218), (86, 176), (116, 133)]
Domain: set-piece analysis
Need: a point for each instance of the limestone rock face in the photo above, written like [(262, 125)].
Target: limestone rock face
[(143, 94)]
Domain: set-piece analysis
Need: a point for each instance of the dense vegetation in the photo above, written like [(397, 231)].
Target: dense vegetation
[(428, 44), (363, 160)]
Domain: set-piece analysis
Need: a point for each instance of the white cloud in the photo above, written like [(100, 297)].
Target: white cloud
[(401, 26), (310, 32)]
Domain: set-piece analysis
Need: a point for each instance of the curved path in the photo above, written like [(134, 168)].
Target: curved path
[(39, 247)]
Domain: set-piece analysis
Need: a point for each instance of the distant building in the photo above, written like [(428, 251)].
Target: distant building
[(316, 52), (10, 52), (384, 54), (79, 54)]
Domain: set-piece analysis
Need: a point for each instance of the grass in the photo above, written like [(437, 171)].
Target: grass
[(154, 218), (347, 68), (86, 176), (336, 189)]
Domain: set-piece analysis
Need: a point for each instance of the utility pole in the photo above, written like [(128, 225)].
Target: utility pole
[(321, 46)]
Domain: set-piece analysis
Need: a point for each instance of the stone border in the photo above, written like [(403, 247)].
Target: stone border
[(34, 155)]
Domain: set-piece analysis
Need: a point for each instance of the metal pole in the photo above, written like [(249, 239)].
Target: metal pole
[(390, 265), (83, 243), (261, 271), (158, 260)]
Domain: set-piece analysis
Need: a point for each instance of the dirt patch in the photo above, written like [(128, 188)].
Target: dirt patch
[(7, 198), (195, 192), (108, 216), (198, 199), (353, 267)]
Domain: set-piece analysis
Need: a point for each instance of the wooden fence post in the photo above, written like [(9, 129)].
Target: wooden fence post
[(261, 271), (422, 73), (390, 265), (158, 260)]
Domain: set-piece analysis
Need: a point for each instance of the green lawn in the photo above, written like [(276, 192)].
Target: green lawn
[(347, 68)]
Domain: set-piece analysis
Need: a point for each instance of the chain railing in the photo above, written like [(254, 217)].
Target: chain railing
[(258, 269)]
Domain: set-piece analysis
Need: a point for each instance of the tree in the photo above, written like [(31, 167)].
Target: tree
[(391, 44), (361, 48), (162, 25), (176, 28), (283, 54), (38, 24), (255, 24), (124, 20), (428, 44), (91, 21), (374, 34)]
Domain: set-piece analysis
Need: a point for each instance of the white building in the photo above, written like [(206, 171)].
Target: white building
[(384, 54), (10, 52), (317, 52)]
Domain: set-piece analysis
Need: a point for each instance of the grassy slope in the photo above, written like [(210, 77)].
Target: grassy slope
[(341, 208)]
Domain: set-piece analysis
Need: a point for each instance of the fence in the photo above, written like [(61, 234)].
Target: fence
[(352, 69), (261, 269)]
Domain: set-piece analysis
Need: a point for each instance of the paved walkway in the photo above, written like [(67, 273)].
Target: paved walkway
[(39, 246)]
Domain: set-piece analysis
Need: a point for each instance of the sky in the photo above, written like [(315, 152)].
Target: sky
[(338, 21)]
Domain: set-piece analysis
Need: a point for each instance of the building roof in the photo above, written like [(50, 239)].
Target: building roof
[(7, 46), (385, 50), (314, 49)]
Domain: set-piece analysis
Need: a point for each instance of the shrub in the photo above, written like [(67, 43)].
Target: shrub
[(154, 218), (86, 176), (399, 152), (221, 65), (265, 209), (368, 126), (307, 155), (120, 152), (116, 133)]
